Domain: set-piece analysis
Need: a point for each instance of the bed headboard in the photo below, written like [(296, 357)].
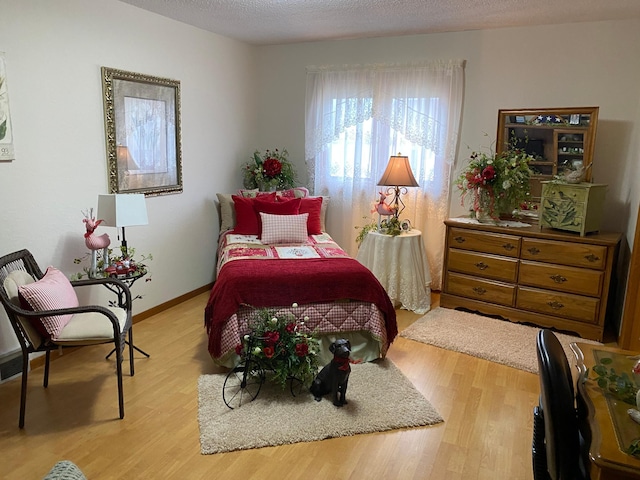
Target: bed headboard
[(227, 212)]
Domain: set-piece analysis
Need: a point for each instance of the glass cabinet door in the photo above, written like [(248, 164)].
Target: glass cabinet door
[(561, 140)]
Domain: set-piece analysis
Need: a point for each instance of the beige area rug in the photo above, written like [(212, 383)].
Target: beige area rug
[(380, 398), (499, 341)]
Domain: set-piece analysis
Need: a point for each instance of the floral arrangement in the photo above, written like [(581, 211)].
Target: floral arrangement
[(129, 256), (496, 183), (281, 347), (269, 171)]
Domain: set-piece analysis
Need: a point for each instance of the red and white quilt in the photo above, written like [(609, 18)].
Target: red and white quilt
[(254, 274)]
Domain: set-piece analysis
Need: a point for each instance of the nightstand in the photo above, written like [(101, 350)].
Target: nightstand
[(400, 265)]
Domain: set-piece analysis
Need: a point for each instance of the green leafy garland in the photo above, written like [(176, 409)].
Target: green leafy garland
[(388, 226)]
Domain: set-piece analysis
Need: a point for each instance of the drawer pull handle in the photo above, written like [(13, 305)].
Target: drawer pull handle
[(592, 258), (479, 290), (481, 266), (459, 239), (508, 247), (558, 278), (533, 251), (555, 305)]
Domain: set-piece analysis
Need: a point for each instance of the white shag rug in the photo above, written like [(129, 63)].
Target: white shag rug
[(379, 398), (499, 341)]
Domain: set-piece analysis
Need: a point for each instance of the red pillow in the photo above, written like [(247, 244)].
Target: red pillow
[(290, 207), (246, 216), (312, 206)]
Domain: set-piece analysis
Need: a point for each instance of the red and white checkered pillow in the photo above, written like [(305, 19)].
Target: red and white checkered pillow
[(284, 228), (51, 292)]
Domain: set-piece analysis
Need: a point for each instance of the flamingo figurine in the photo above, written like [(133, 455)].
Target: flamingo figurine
[(383, 208), (95, 242)]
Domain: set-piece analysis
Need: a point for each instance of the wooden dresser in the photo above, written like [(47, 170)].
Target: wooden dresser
[(531, 274)]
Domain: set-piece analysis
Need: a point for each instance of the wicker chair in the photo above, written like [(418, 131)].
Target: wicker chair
[(88, 325)]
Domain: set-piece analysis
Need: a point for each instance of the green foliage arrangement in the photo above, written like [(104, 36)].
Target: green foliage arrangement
[(388, 226), (271, 170), (496, 183), (282, 346)]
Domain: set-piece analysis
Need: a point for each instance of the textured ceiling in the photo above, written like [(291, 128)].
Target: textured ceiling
[(268, 22)]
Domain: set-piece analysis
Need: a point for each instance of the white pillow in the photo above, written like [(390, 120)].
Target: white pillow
[(284, 228)]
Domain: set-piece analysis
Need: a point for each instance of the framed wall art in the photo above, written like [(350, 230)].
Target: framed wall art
[(6, 134), (142, 126)]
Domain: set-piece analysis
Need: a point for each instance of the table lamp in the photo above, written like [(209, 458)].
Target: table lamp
[(397, 177), (122, 210)]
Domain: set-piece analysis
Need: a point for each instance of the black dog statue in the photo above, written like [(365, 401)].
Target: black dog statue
[(334, 377)]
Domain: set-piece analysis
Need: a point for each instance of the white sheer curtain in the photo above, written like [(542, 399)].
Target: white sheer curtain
[(358, 116)]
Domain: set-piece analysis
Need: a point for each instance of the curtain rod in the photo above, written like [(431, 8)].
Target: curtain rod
[(386, 66)]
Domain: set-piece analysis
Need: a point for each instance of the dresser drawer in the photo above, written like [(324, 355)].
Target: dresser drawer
[(479, 289), (496, 243), (483, 265), (565, 305), (582, 281), (559, 192), (564, 253)]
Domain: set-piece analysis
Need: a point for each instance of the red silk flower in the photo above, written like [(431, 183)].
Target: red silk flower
[(272, 167)]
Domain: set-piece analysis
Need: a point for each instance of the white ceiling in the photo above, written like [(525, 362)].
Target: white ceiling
[(269, 22)]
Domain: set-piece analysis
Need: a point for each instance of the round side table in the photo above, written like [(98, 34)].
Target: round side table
[(400, 264)]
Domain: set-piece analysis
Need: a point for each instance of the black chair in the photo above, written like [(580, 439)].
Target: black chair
[(89, 325), (558, 450)]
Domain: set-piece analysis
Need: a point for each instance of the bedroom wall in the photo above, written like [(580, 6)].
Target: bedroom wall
[(581, 64), (54, 50)]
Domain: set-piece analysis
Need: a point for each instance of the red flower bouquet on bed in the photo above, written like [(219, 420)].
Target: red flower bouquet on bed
[(282, 347)]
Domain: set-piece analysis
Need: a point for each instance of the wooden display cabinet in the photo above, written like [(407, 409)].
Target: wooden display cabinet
[(561, 139)]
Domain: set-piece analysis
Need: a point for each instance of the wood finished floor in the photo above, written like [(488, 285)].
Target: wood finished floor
[(486, 434)]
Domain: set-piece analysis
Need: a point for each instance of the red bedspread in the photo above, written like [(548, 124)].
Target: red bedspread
[(280, 282)]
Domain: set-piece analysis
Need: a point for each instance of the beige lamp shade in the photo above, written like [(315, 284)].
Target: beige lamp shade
[(398, 173), (122, 209)]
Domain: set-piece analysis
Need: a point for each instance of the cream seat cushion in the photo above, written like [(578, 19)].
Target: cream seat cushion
[(91, 327), (82, 328)]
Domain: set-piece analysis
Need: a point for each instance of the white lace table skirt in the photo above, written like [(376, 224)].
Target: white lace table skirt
[(400, 264)]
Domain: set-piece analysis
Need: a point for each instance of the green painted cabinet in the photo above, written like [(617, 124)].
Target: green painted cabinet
[(575, 207)]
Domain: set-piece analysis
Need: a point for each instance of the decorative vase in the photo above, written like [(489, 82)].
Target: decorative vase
[(266, 187), (482, 208), (483, 216)]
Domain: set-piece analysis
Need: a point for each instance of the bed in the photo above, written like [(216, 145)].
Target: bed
[(340, 297)]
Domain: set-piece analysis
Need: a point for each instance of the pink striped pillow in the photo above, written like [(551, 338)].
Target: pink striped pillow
[(51, 292), (284, 228)]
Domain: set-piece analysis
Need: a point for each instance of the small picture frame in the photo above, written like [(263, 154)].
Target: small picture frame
[(405, 225), (520, 119), (574, 119)]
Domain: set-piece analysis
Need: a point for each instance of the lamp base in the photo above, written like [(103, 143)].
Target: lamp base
[(398, 204)]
